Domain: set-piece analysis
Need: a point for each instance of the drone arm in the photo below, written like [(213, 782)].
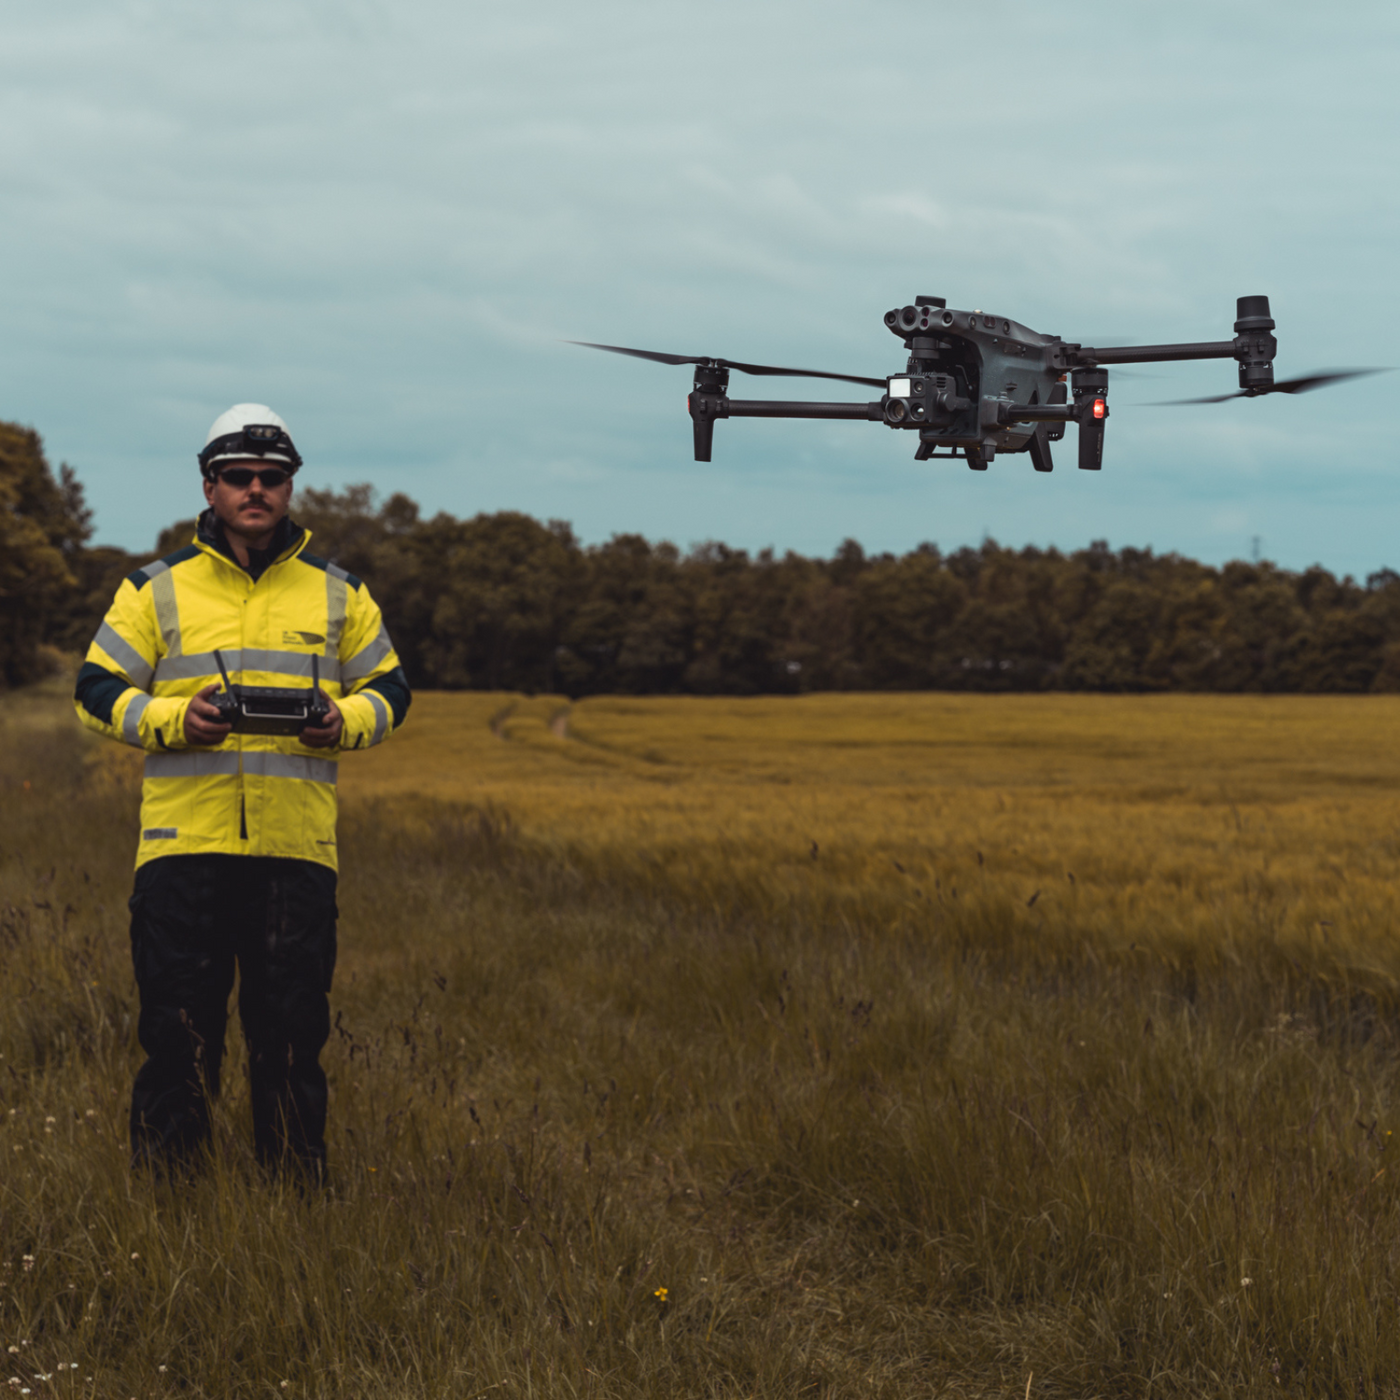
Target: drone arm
[(780, 408), (708, 404), (1073, 356), (1254, 347), (1036, 413)]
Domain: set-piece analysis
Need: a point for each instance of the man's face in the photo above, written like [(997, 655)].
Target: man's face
[(251, 511)]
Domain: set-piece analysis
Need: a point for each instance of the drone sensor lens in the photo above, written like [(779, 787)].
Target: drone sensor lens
[(947, 318)]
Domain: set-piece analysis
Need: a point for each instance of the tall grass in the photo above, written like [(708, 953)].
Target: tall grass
[(615, 1113)]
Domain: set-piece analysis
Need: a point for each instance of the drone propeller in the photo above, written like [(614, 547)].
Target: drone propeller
[(1300, 385), (665, 359)]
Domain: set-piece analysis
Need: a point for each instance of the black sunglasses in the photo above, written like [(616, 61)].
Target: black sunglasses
[(243, 476)]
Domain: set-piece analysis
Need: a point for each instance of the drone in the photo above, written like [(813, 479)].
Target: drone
[(976, 385)]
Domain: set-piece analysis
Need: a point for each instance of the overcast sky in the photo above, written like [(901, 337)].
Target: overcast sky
[(383, 219)]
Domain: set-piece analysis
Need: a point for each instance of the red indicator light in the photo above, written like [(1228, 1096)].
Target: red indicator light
[(687, 403), (1100, 408)]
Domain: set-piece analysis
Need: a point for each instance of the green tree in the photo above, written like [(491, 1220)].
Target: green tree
[(904, 610), (44, 524), (631, 631), (504, 588)]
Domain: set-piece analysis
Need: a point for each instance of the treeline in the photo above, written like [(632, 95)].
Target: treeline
[(503, 602)]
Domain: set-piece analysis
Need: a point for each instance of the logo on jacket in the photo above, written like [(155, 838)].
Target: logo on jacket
[(310, 639)]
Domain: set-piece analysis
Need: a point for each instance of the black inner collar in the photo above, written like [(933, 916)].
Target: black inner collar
[(287, 533)]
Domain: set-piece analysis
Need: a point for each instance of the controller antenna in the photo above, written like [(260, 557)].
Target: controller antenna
[(223, 671)]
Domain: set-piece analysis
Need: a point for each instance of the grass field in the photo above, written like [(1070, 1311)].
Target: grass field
[(842, 1045)]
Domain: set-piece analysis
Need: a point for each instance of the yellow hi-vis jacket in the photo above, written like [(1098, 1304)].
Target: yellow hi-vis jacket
[(253, 794)]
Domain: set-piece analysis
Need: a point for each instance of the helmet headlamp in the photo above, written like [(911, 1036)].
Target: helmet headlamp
[(251, 440)]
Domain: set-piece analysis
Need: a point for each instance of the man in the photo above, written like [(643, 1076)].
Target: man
[(237, 857)]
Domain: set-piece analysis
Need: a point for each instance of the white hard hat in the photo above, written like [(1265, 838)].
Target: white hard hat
[(245, 431)]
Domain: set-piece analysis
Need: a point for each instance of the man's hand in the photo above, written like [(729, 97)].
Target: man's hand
[(328, 734), (202, 724)]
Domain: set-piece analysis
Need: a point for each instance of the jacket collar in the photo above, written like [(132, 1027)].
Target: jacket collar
[(287, 539)]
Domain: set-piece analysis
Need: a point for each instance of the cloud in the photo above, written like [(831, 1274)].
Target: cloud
[(382, 218)]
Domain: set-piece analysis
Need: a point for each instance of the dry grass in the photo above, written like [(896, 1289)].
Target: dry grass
[(756, 1048), (1136, 819)]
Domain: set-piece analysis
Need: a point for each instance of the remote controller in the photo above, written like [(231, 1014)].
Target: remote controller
[(252, 709)]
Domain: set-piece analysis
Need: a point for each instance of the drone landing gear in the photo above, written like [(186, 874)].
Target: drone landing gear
[(1041, 459), (978, 457), (925, 453)]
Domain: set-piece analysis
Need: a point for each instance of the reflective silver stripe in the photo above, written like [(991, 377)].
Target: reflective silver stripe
[(167, 611), (336, 592), (289, 663), (224, 764), (132, 718), (290, 765), (381, 714), (364, 662), (137, 668), (196, 667), (192, 765), (151, 570)]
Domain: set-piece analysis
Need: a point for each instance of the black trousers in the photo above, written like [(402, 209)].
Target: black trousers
[(192, 918)]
